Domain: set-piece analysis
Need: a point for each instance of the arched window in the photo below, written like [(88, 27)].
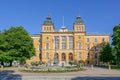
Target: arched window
[(63, 57), (70, 57)]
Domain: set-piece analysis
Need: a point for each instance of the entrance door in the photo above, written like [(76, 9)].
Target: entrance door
[(56, 60)]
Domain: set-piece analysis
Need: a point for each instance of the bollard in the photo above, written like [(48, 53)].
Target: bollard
[(91, 66), (109, 67)]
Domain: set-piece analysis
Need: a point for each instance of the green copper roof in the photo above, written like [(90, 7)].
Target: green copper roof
[(78, 20), (48, 21)]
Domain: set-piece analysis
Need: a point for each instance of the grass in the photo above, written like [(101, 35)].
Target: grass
[(115, 67), (112, 66)]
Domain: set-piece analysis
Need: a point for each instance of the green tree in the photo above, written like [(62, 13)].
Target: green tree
[(106, 54), (19, 45), (4, 57), (116, 42)]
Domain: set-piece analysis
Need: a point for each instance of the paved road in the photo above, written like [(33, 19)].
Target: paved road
[(89, 74), (17, 77)]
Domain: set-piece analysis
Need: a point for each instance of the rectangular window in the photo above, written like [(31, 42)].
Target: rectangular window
[(79, 45), (78, 29), (103, 39), (88, 39), (63, 45), (50, 28), (40, 39), (70, 38), (40, 48), (88, 55), (95, 47), (56, 45), (88, 47), (56, 38), (44, 28), (95, 56), (47, 45), (79, 55), (95, 39), (63, 38), (70, 45)]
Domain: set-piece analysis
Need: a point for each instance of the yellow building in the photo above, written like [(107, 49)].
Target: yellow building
[(60, 47)]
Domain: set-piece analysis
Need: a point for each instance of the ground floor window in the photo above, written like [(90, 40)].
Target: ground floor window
[(70, 57), (63, 57)]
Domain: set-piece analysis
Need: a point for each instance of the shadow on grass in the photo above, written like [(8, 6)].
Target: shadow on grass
[(8, 75)]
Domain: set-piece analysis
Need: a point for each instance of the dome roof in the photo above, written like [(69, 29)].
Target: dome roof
[(78, 20), (48, 20)]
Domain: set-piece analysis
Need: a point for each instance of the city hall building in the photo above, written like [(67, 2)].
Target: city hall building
[(62, 46)]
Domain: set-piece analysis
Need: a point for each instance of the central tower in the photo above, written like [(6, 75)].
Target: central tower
[(79, 25), (48, 25)]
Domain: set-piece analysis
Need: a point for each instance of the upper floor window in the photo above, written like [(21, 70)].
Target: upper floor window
[(63, 38), (70, 38), (95, 39), (47, 45), (50, 28), (88, 55), (88, 39), (78, 29), (63, 45), (95, 47), (70, 45), (88, 47), (56, 38), (102, 44), (40, 39), (47, 28), (103, 39), (95, 55), (79, 55), (39, 48), (44, 28), (56, 45), (79, 45)]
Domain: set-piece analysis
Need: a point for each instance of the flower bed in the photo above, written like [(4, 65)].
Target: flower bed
[(53, 69)]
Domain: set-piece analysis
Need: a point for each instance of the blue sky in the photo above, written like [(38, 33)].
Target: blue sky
[(100, 16)]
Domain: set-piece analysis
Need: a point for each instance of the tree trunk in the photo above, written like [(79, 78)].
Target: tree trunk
[(2, 63), (10, 63)]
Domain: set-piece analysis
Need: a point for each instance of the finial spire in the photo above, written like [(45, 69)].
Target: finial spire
[(48, 13), (78, 13)]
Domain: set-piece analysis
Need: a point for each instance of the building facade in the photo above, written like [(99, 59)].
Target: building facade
[(61, 47)]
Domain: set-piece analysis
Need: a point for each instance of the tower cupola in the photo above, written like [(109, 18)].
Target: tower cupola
[(48, 25), (79, 25)]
